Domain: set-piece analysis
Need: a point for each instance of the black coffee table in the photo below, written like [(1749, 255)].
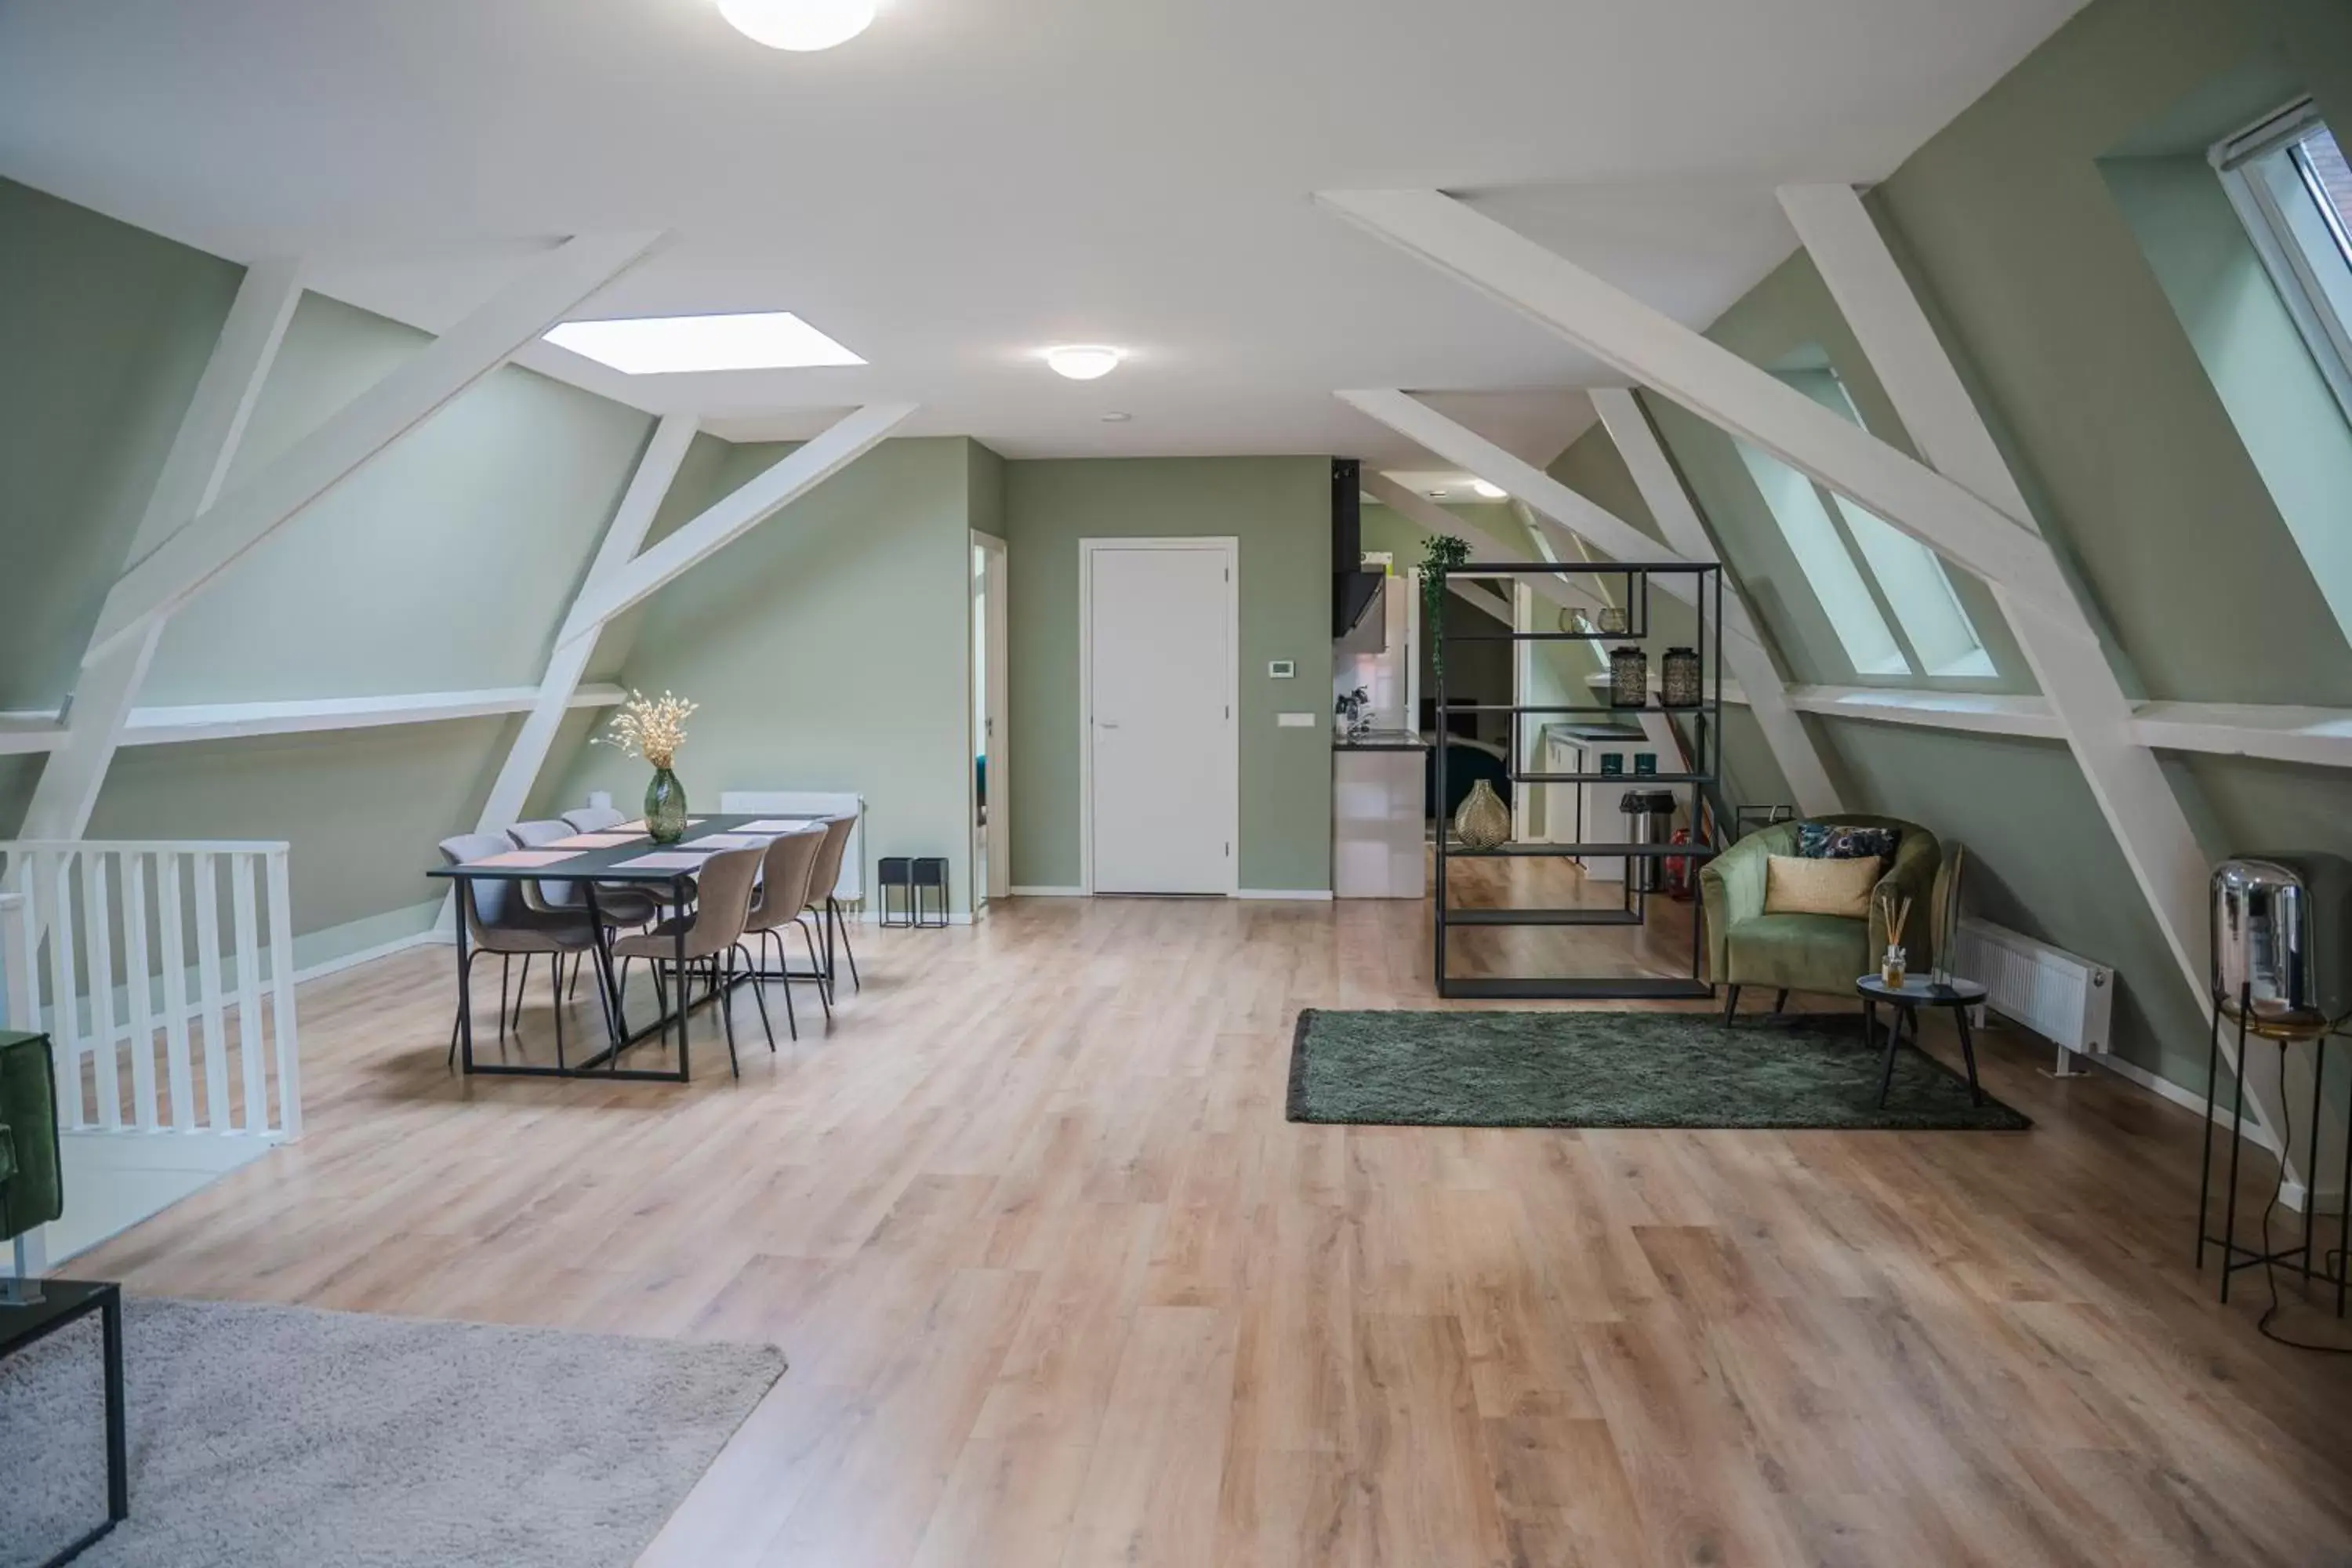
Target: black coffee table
[(1906, 999), (64, 1303)]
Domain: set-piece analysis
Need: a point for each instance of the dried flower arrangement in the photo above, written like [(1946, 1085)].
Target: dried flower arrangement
[(650, 728)]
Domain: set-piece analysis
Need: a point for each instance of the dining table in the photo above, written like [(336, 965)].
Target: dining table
[(624, 856)]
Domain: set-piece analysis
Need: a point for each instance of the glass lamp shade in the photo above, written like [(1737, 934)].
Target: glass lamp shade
[(801, 25), (1629, 677), (1678, 679)]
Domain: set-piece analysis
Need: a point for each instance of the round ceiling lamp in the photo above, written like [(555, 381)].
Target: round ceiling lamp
[(1488, 489), (798, 25), (1083, 362)]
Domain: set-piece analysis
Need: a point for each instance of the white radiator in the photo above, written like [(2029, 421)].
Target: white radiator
[(2061, 997)]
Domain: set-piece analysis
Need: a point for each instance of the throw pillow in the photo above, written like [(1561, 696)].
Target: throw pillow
[(1796, 885), (1835, 841)]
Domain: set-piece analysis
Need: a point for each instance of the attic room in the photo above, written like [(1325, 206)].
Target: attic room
[(922, 783)]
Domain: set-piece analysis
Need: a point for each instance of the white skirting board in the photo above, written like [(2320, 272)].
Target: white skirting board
[(2258, 1135), (1296, 895), (1049, 892)]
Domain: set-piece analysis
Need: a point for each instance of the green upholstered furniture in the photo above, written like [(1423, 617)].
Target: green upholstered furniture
[(32, 1189), (1744, 946)]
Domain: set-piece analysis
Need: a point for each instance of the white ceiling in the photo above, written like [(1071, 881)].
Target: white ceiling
[(974, 179)]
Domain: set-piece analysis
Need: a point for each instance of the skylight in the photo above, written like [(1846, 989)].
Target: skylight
[(674, 346)]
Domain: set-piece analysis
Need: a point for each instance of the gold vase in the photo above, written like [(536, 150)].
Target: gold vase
[(1483, 821)]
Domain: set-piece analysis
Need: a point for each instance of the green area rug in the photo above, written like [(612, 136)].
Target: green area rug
[(1617, 1069)]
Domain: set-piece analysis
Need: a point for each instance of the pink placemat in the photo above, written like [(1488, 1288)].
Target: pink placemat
[(526, 858), (665, 860), (594, 840), (778, 825), (731, 841)]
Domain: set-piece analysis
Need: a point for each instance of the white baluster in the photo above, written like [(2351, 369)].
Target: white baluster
[(181, 1074), (65, 1014), (250, 1045), (139, 981), (281, 998), (98, 969), (208, 992)]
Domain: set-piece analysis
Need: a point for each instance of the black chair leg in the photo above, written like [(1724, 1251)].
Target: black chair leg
[(758, 996), (725, 1003), (832, 912), (506, 968), (555, 999), (1780, 1002), (824, 990), (1730, 1002)]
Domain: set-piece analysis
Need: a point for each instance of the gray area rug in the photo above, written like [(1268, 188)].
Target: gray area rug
[(1617, 1069), (264, 1436)]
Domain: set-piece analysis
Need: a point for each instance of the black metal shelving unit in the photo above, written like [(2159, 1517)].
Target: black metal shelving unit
[(1704, 765)]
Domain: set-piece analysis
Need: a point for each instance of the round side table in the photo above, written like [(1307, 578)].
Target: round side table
[(1906, 999)]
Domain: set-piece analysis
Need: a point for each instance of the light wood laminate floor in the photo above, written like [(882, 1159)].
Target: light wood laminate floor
[(1061, 1287)]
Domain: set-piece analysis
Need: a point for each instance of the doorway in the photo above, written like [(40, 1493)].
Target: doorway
[(1159, 754), (989, 777)]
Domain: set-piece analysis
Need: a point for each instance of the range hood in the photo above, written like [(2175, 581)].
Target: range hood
[(1354, 588)]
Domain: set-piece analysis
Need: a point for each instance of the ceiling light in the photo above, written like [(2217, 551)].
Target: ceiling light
[(798, 25), (1116, 417), (669, 345), (1490, 491), (1083, 362)]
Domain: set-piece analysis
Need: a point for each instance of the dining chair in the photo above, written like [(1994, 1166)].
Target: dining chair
[(713, 934), (499, 922), (618, 907), (823, 876), (593, 818), (785, 876)]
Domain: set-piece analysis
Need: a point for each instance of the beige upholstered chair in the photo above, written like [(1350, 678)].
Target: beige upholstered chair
[(713, 940), (498, 920), (782, 899), (592, 818), (823, 876)]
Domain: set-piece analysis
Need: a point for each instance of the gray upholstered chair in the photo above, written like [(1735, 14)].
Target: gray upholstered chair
[(823, 876), (499, 920), (782, 899), (713, 942), (593, 818)]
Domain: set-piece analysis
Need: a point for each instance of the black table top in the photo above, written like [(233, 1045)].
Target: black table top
[(1918, 990), (609, 863), (60, 1300)]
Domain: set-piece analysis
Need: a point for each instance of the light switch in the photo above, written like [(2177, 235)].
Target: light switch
[(1296, 721)]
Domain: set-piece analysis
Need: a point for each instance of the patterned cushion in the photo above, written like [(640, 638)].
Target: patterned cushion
[(1799, 885), (1832, 841)]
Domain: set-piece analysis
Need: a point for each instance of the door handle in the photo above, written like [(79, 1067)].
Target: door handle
[(1107, 723)]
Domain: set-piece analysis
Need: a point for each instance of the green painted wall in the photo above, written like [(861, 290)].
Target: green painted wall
[(1280, 509), (444, 564), (104, 329), (828, 649), (2038, 282)]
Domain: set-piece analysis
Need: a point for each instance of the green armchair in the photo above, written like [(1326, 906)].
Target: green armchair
[(1824, 954), (32, 1188)]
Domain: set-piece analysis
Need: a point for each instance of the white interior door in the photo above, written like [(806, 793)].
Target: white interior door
[(995, 719), (1162, 754)]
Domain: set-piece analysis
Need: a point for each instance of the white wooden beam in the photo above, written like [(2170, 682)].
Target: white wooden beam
[(808, 466), (2146, 818), (1486, 600), (237, 720), (2318, 737), (2150, 825), (1552, 501), (193, 471), (1425, 514), (1652, 348), (192, 557), (655, 473), (1976, 712), (1661, 486)]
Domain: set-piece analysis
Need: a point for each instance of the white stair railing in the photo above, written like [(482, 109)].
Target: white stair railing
[(163, 972)]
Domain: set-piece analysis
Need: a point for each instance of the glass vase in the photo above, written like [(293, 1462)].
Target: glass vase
[(664, 807), (1483, 821)]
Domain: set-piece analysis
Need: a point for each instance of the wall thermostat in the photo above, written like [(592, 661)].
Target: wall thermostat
[(1281, 669)]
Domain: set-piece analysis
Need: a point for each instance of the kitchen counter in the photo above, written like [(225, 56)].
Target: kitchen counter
[(1380, 740)]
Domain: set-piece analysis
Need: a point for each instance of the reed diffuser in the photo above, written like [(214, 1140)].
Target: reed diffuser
[(1893, 913)]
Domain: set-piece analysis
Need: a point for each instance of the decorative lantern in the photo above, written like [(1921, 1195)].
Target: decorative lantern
[(1678, 679), (1629, 677)]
